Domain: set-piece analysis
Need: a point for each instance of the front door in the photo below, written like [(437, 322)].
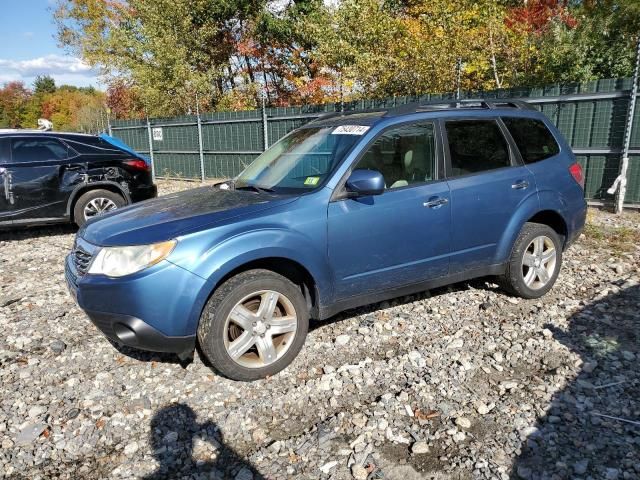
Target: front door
[(487, 185), (400, 237)]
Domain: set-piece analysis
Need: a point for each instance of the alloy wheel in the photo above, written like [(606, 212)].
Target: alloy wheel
[(539, 262), (260, 329), (98, 206)]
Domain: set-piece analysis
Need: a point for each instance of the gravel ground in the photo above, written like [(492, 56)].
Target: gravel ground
[(461, 382)]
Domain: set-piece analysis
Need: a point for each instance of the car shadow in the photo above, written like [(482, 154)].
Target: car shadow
[(185, 448), (15, 234), (147, 356), (482, 283), (573, 439)]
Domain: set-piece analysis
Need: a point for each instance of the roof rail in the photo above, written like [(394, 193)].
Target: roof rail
[(20, 130), (467, 103)]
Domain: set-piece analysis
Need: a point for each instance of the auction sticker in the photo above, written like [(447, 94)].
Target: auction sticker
[(350, 130)]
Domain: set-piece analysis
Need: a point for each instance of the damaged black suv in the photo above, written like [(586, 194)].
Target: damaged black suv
[(52, 177)]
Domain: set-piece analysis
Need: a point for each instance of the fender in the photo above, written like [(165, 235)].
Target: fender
[(570, 205), (76, 191), (243, 248), (527, 209)]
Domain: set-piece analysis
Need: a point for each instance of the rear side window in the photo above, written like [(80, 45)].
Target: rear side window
[(37, 150), (476, 146), (92, 145), (5, 150), (533, 138)]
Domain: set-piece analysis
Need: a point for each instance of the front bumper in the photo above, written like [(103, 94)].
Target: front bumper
[(136, 333), (155, 309)]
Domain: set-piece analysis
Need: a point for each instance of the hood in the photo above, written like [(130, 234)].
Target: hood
[(170, 216)]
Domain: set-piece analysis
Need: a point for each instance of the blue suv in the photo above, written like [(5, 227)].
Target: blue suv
[(345, 211)]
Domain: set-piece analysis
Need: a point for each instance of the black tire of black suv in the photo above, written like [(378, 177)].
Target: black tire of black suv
[(513, 280), (213, 321), (86, 198)]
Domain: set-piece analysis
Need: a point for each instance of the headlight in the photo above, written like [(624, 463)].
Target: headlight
[(121, 261)]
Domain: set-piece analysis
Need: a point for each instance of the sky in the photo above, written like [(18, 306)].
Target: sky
[(28, 46)]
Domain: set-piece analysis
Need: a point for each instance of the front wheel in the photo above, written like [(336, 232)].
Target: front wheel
[(535, 261), (254, 325)]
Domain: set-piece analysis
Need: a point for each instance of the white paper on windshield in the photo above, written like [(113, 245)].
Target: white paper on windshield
[(350, 130)]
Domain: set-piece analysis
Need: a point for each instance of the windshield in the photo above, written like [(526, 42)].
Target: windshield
[(301, 161)]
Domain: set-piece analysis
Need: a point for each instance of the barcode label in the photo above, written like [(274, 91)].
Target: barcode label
[(350, 130)]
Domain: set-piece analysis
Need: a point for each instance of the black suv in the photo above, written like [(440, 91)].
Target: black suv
[(51, 177)]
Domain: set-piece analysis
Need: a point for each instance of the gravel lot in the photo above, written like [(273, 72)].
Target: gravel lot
[(461, 382)]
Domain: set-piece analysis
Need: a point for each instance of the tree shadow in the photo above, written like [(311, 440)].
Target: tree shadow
[(573, 439), (185, 448)]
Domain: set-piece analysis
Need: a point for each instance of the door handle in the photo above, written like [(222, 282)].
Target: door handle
[(520, 185), (436, 202)]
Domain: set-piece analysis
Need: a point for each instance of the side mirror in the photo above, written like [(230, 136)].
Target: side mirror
[(365, 182)]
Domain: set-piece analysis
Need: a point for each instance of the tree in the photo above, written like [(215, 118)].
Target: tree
[(14, 97), (44, 84), (169, 49), (123, 100)]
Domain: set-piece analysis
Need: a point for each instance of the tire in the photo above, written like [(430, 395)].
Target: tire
[(252, 291), (537, 276), (101, 198)]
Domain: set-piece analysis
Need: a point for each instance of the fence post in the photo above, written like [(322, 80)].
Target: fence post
[(620, 183), (200, 149), (265, 129), (153, 163)]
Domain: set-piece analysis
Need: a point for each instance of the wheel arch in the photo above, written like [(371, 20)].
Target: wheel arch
[(552, 219), (288, 268), (87, 187), (547, 211)]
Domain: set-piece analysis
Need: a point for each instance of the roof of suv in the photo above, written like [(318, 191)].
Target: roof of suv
[(373, 116), (70, 135)]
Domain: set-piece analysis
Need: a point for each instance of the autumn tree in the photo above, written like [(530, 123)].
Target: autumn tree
[(14, 97), (170, 49)]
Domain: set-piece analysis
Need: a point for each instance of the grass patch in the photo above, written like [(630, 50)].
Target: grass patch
[(619, 240)]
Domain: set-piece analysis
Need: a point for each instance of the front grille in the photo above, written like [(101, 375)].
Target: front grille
[(70, 276), (81, 260)]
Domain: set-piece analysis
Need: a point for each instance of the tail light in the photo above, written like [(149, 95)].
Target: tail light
[(138, 164), (576, 172)]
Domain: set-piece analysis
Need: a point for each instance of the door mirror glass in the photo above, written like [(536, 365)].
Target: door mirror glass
[(365, 182)]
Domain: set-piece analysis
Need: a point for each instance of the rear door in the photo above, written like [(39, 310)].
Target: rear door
[(488, 183), (35, 170)]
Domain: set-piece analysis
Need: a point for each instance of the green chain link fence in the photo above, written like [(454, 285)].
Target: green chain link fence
[(591, 115)]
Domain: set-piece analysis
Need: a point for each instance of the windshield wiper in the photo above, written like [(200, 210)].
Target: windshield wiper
[(255, 188)]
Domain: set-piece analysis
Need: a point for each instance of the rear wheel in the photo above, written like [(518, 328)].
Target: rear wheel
[(535, 261), (94, 203), (254, 325)]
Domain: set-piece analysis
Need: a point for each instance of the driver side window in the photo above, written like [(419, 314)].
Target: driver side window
[(404, 155)]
